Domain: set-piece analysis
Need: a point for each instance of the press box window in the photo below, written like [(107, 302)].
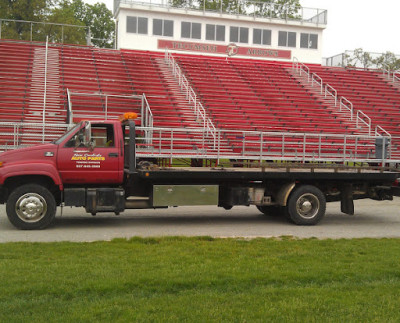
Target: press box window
[(163, 27), (309, 41), (239, 34), (215, 32), (287, 39), (136, 25), (190, 30), (262, 36)]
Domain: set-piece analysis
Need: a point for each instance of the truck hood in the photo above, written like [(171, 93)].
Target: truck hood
[(37, 152)]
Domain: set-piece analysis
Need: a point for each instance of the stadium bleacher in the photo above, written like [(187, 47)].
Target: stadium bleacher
[(368, 91), (239, 94)]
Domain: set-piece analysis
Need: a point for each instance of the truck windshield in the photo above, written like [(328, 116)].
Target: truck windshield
[(65, 135)]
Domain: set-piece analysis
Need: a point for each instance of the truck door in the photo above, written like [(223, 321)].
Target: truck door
[(97, 162)]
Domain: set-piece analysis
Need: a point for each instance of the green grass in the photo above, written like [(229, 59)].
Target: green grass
[(201, 280)]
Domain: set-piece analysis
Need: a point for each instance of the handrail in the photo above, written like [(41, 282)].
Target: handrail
[(300, 67), (386, 72), (191, 96), (318, 80), (329, 90), (70, 115), (377, 128), (22, 135), (349, 107), (344, 103), (359, 118), (386, 147), (146, 115), (45, 85), (244, 8), (396, 76), (148, 118)]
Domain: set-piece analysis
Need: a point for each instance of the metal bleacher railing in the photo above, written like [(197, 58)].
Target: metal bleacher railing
[(230, 144), (239, 8), (261, 146), (191, 96), (38, 31), (111, 108), (361, 119), (138, 103), (348, 58), (396, 76), (56, 32), (15, 135)]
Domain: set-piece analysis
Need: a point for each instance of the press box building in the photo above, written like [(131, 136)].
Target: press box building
[(237, 29)]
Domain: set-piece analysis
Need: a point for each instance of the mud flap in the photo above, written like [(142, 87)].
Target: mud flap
[(347, 202)]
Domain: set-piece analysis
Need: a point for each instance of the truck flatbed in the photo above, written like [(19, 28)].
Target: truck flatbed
[(297, 172)]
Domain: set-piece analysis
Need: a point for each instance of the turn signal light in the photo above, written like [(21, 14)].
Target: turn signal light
[(1, 164)]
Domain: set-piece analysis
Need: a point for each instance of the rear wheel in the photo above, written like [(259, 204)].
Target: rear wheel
[(307, 205), (31, 207)]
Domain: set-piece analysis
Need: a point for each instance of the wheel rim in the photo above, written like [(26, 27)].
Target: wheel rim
[(307, 205), (31, 207)]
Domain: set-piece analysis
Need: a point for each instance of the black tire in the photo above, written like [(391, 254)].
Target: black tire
[(307, 205), (31, 207), (270, 210)]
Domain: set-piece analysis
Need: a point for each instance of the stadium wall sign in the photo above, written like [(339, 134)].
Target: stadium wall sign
[(231, 49)]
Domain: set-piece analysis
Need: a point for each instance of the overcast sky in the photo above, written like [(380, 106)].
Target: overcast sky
[(370, 25)]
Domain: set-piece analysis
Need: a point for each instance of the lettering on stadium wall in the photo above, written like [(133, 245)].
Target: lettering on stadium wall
[(230, 50)]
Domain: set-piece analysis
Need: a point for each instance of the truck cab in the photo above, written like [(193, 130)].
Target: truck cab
[(34, 180), (91, 154)]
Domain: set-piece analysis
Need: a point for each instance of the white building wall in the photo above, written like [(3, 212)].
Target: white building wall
[(136, 41)]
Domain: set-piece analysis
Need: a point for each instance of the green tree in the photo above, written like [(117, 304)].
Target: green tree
[(388, 61), (96, 17), (278, 8), (64, 13), (70, 12), (264, 8), (101, 23), (28, 10), (360, 58)]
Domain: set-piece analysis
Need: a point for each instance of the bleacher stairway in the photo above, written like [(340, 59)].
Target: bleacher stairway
[(44, 89)]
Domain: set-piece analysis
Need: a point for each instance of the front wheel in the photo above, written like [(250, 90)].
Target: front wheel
[(307, 205), (31, 207)]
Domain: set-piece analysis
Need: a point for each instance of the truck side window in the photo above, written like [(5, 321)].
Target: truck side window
[(103, 135)]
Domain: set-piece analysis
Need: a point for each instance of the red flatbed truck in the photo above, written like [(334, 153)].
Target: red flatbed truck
[(95, 166)]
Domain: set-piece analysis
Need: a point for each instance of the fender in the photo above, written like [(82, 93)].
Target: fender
[(284, 192), (32, 168)]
